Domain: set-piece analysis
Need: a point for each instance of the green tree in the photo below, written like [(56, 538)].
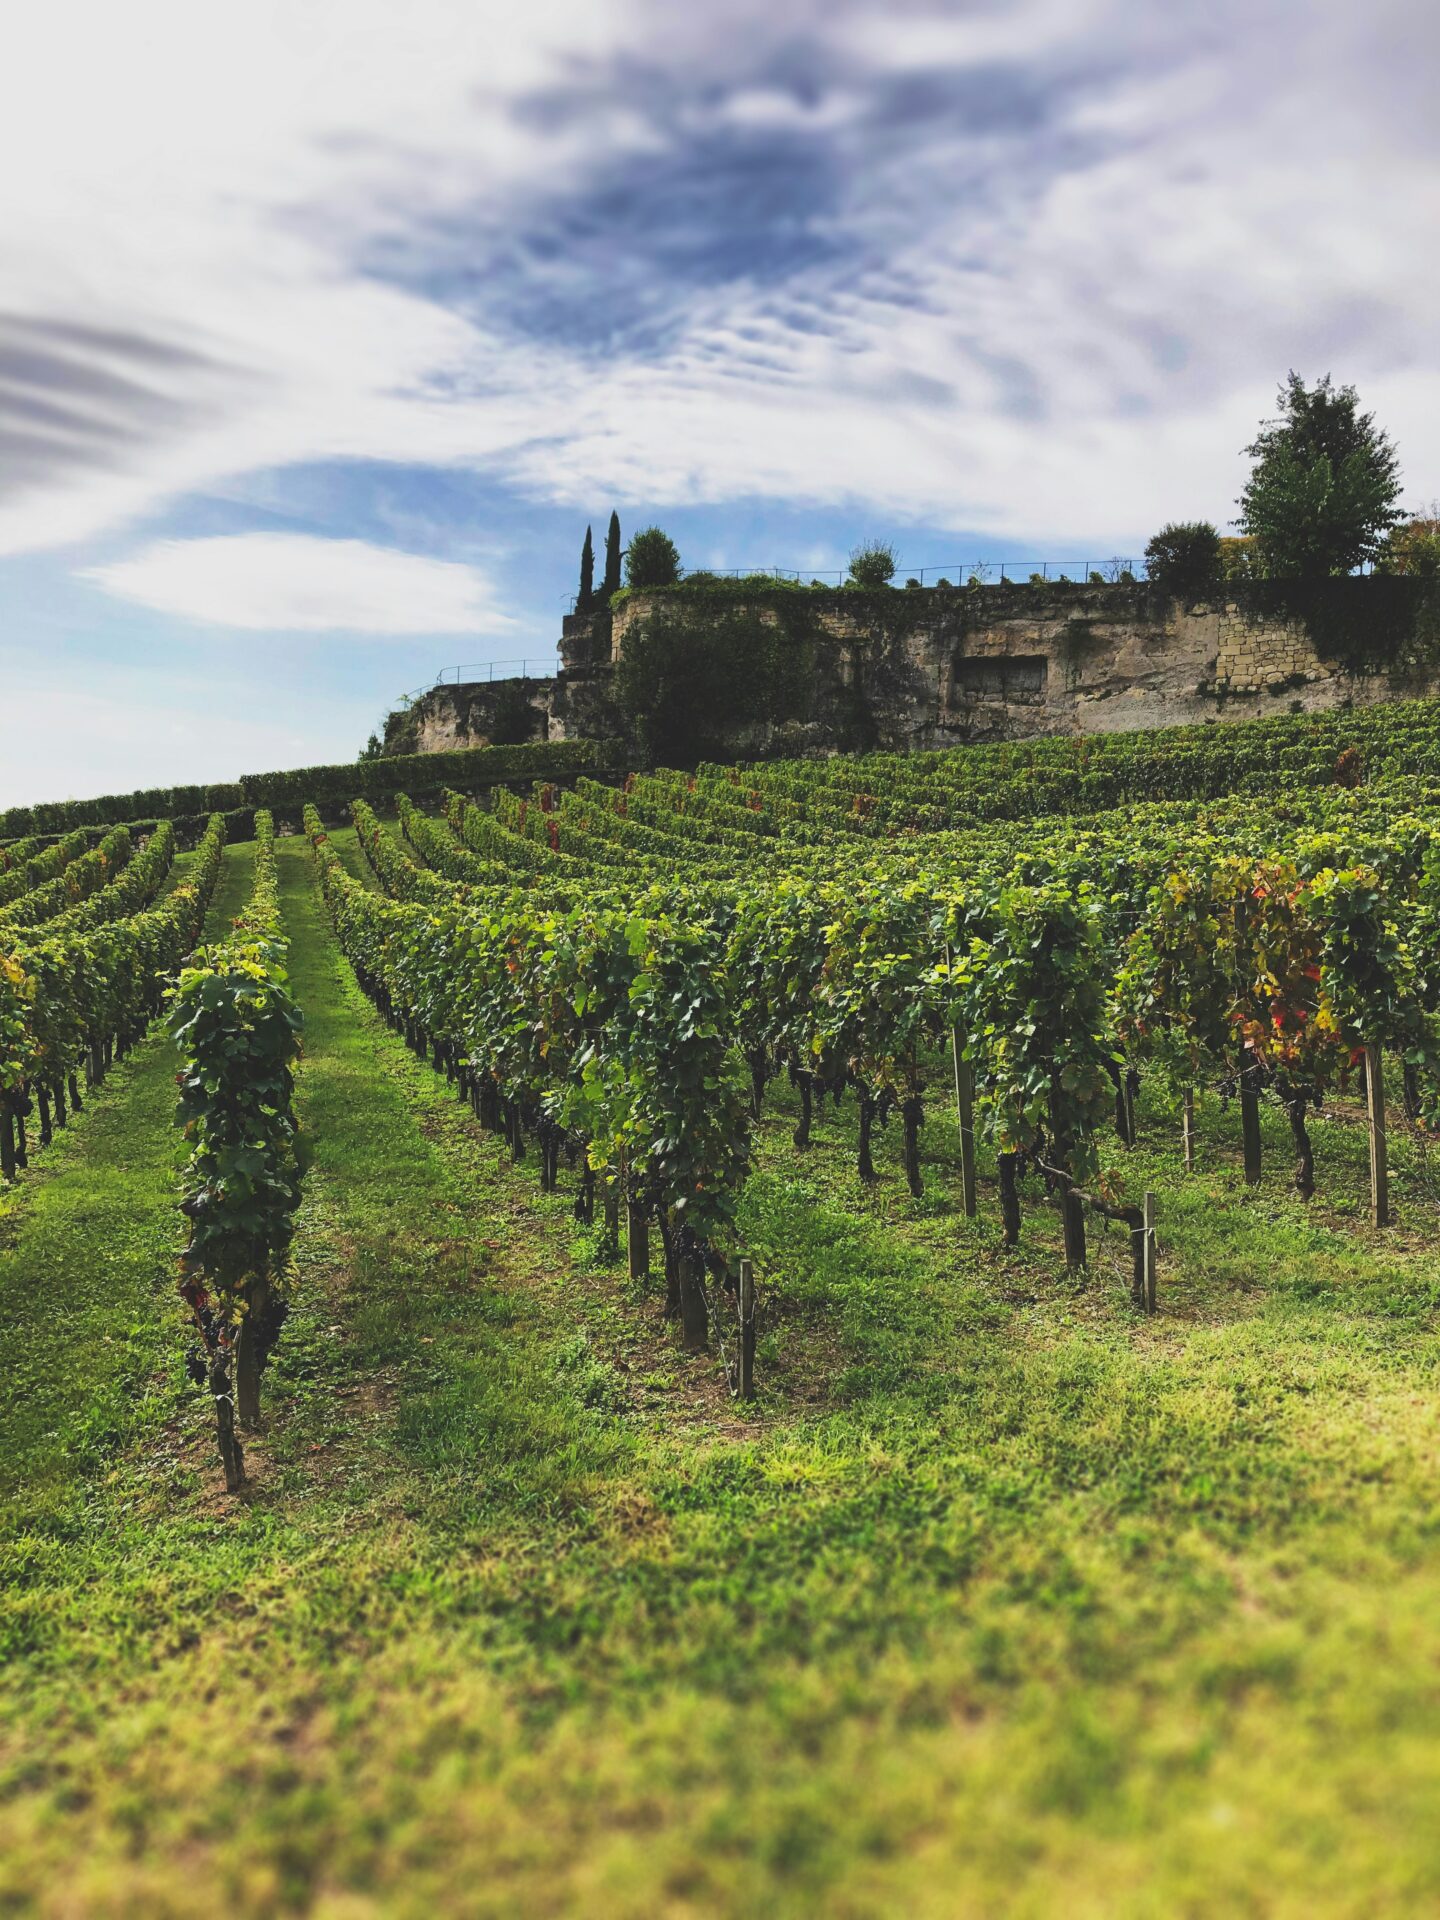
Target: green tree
[(611, 582), (1321, 496), (652, 559), (1184, 558), (585, 598)]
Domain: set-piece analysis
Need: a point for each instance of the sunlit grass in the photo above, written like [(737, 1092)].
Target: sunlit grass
[(1002, 1598)]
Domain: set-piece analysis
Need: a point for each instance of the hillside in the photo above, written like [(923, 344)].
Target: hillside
[(1008, 1588)]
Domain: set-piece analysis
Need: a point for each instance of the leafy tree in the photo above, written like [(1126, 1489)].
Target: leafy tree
[(652, 559), (1321, 496), (585, 598), (873, 564), (1184, 558), (611, 582)]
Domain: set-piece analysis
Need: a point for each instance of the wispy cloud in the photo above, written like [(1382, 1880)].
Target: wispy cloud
[(290, 583), (1033, 268)]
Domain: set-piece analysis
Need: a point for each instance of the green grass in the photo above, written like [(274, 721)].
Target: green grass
[(1000, 1599)]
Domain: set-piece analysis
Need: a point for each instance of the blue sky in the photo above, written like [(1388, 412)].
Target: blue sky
[(325, 329)]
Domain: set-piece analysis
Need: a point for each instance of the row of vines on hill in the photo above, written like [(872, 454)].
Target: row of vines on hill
[(1046, 986), (79, 987), (87, 957), (237, 1026)]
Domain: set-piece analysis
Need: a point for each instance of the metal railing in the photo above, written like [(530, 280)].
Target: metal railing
[(496, 670), (485, 670), (958, 573), (999, 572)]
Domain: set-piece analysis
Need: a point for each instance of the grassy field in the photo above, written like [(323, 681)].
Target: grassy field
[(1000, 1599)]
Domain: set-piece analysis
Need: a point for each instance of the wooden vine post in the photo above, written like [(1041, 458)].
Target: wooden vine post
[(637, 1238), (1139, 1256), (1379, 1160), (1072, 1214), (1151, 1252), (964, 1112), (1250, 1117), (965, 1115), (747, 1330), (1187, 1125)]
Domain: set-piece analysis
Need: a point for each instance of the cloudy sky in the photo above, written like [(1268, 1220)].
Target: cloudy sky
[(325, 328)]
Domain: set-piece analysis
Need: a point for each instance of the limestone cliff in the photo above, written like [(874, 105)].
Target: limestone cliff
[(901, 670)]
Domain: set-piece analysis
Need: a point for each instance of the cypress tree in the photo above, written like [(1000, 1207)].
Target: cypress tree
[(585, 599), (611, 583)]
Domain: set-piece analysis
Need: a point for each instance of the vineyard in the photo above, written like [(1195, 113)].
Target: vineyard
[(847, 1335)]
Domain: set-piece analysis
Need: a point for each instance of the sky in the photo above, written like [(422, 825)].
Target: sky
[(325, 329)]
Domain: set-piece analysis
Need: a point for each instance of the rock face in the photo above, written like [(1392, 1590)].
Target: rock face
[(499, 713), (940, 667)]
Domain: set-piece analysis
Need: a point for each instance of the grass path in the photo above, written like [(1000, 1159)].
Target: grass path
[(1001, 1601)]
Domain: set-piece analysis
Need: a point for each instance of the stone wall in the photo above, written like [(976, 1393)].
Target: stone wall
[(1257, 652), (937, 667)]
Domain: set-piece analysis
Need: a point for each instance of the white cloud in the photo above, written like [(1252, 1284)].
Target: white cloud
[(1067, 329), (287, 582)]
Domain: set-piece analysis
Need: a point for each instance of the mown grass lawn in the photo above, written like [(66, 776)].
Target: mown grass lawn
[(1001, 1599)]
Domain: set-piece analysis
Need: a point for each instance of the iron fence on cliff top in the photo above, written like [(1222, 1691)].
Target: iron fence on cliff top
[(957, 573), (485, 670)]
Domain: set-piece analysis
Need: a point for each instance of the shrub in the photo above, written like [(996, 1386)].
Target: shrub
[(873, 564), (651, 560), (1184, 559)]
